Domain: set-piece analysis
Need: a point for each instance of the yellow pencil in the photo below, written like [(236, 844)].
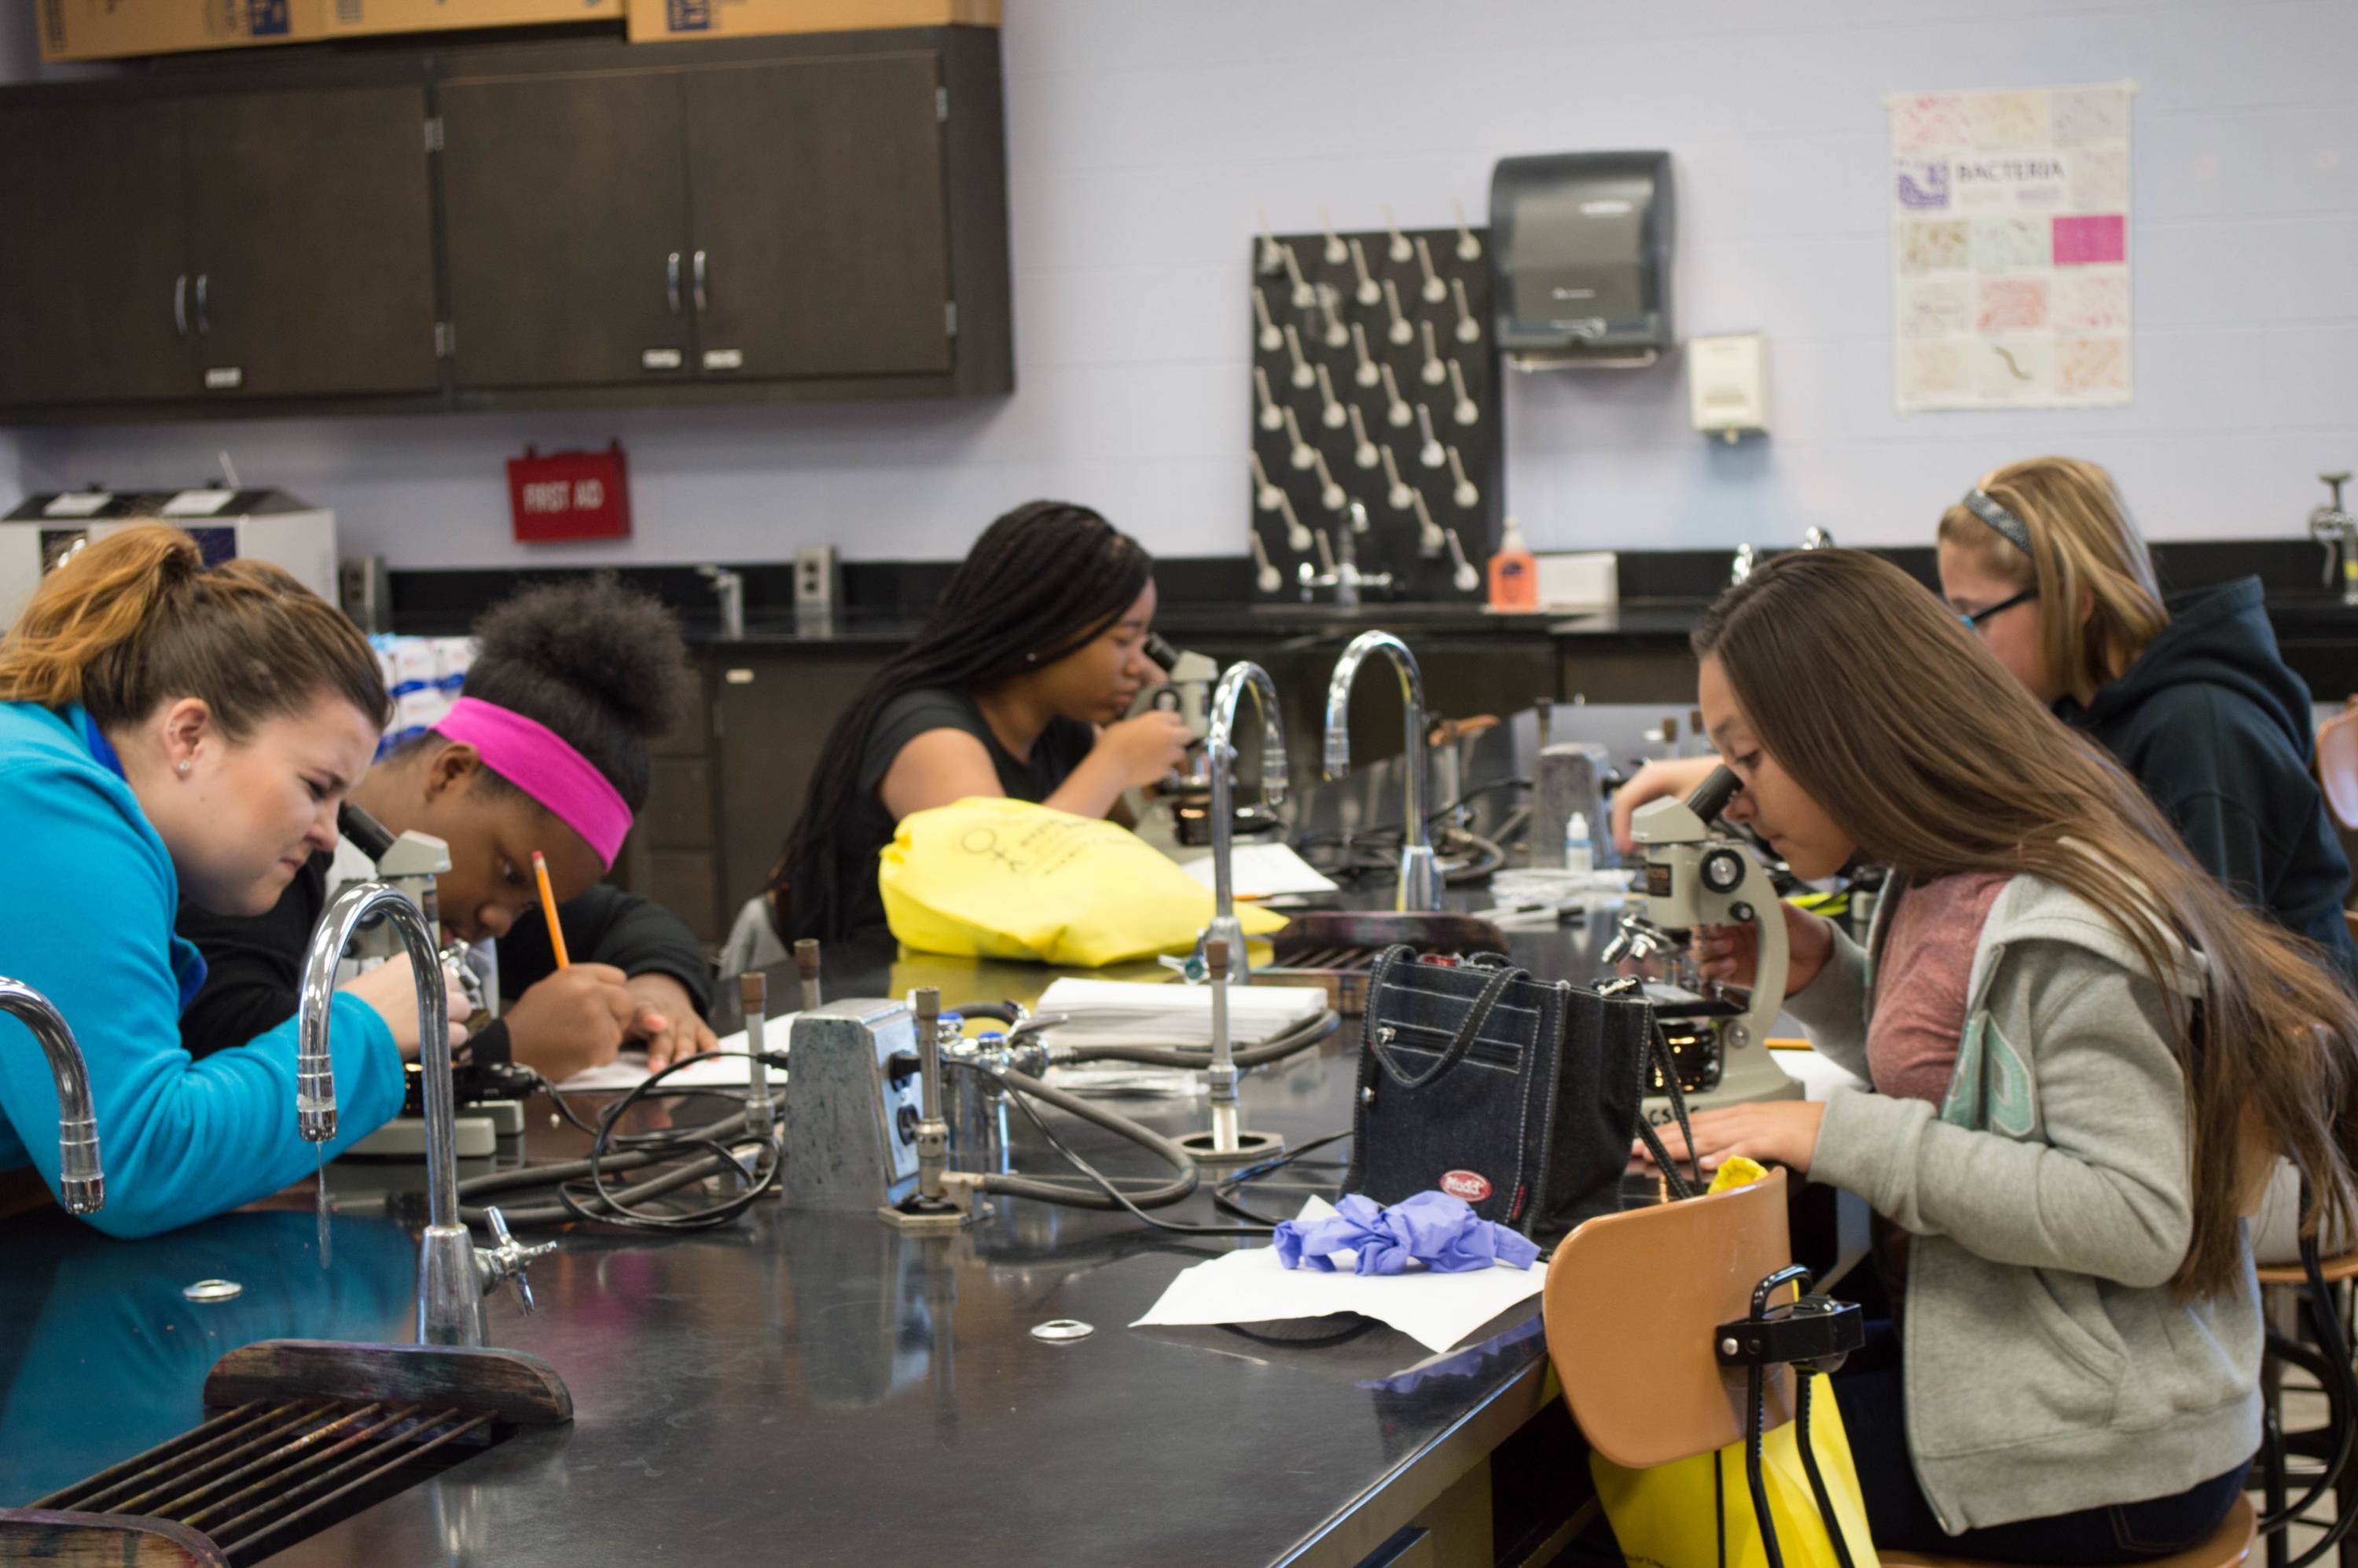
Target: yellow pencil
[(548, 907)]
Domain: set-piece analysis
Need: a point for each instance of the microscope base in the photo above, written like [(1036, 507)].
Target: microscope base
[(1203, 1148)]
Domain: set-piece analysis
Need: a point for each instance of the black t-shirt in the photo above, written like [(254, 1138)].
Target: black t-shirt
[(869, 828)]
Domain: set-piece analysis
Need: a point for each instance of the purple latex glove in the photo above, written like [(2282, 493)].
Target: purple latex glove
[(1432, 1229)]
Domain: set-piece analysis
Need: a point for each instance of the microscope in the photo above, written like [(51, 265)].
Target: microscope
[(490, 1095), (1718, 1035)]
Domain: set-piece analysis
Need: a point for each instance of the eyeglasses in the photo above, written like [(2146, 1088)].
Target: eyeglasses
[(1980, 618)]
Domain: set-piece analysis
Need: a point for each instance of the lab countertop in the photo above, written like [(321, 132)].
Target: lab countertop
[(811, 1386), (1665, 619)]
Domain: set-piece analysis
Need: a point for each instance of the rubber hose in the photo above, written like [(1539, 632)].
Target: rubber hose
[(1072, 1194), (726, 1129), (1299, 1038)]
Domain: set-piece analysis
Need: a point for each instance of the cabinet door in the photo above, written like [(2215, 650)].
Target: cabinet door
[(819, 217), (772, 718), (314, 242), (567, 224), (94, 254)]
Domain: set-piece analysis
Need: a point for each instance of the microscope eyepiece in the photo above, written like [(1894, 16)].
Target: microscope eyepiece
[(1711, 797)]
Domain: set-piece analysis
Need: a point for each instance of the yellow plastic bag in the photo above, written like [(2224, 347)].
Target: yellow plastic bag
[(1667, 1515), (1006, 878)]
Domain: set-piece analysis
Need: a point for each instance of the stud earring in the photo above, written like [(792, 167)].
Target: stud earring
[(1033, 658), (184, 767)]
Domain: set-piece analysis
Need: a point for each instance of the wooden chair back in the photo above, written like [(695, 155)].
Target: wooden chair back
[(1630, 1305)]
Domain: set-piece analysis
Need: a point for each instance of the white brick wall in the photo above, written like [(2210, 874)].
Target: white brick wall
[(1143, 134)]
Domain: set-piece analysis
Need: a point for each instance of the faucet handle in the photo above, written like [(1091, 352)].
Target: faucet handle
[(506, 1262), (2334, 482)]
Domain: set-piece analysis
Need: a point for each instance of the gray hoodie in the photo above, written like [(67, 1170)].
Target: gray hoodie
[(2049, 1366)]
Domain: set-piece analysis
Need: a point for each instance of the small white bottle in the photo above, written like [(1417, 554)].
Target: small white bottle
[(1579, 855)]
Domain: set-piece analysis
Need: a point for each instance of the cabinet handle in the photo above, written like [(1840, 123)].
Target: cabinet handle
[(703, 297), (671, 281), (204, 320), (180, 303)]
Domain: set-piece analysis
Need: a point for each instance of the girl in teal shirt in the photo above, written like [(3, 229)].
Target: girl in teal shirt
[(169, 730)]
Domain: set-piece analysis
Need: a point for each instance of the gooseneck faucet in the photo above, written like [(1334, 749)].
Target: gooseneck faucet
[(1219, 761), (450, 1297), (82, 1186), (2333, 527), (1420, 879)]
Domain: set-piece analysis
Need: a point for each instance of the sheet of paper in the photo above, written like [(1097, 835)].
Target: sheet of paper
[(1263, 870), (629, 1069), (1437, 1311), (198, 502), (1149, 1012), (78, 503)]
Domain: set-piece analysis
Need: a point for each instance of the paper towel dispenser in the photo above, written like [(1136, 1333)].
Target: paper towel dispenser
[(1583, 242)]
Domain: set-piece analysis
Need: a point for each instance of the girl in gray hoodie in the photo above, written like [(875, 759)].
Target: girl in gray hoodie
[(2084, 1056)]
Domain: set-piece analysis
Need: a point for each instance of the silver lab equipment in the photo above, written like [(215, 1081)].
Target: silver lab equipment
[(1343, 574), (1225, 1142), (453, 1274), (852, 1106), (928, 1210), (1420, 877), (81, 1186), (2333, 527), (1219, 762), (728, 587), (1693, 880)]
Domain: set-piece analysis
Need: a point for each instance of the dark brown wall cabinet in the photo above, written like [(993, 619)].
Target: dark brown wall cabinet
[(567, 224), (217, 247)]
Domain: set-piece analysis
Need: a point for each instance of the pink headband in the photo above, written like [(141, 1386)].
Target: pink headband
[(537, 760)]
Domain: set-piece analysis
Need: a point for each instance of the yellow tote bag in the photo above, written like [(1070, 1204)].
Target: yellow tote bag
[(1007, 878)]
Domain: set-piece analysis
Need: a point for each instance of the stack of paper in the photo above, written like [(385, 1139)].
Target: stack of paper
[(1136, 1012), (1263, 871), (629, 1069)]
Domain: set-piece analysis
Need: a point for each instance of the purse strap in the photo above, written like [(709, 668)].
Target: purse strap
[(1493, 986)]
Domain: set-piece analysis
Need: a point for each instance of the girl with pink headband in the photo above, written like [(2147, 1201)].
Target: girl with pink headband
[(546, 749)]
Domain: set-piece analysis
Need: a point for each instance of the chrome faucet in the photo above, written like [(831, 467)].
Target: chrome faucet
[(1817, 539), (1341, 574), (1746, 557), (82, 1186), (453, 1275), (1420, 879), (1220, 762), (731, 587), (2334, 528)]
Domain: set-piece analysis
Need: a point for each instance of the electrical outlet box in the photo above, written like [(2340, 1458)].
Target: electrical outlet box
[(850, 1122)]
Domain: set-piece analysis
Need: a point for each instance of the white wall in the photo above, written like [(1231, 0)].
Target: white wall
[(1144, 135)]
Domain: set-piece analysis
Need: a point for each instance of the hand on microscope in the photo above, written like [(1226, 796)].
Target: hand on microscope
[(578, 1017), (391, 989), (1727, 953), (1675, 777)]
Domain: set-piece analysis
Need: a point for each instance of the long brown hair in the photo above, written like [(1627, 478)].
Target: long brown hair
[(137, 618), (1894, 719), (2082, 545)]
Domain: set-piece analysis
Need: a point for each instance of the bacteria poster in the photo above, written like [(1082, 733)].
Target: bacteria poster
[(2009, 248)]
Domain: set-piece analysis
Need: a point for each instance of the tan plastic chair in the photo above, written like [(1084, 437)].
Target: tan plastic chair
[(1629, 1305)]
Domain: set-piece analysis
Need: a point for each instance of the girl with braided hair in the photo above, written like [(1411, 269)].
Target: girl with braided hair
[(1015, 688)]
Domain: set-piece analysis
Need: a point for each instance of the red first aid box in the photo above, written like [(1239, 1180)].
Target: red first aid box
[(570, 495)]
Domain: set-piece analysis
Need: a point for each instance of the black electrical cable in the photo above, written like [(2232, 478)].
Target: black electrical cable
[(1020, 1086), (1224, 1192), (2339, 1383), (710, 1150)]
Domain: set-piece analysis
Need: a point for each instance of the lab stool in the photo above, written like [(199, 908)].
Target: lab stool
[(2280, 1287), (1629, 1305)]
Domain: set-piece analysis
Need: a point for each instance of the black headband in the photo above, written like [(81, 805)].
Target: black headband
[(1999, 518)]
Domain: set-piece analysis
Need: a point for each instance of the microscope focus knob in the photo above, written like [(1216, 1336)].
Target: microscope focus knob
[(1722, 869)]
